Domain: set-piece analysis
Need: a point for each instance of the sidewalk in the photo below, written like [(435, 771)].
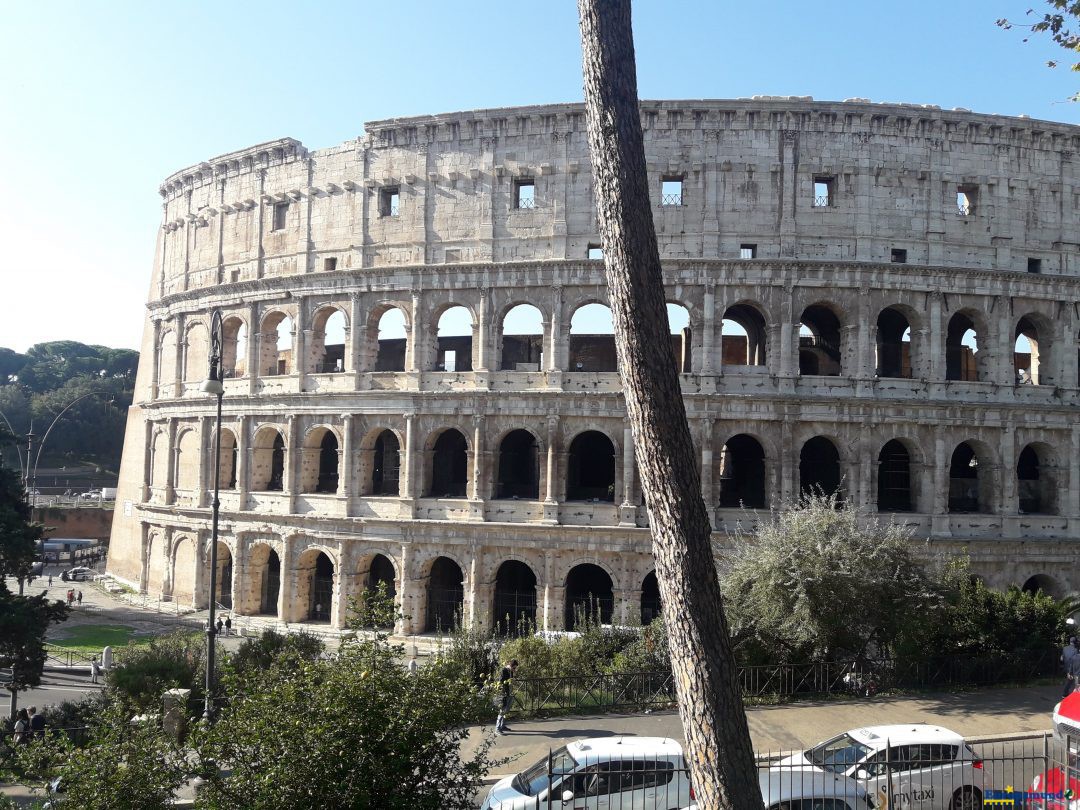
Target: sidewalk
[(795, 725)]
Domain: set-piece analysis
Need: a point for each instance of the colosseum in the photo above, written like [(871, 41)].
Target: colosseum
[(882, 299)]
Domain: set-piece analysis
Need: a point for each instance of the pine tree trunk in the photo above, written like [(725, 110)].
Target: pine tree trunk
[(718, 745)]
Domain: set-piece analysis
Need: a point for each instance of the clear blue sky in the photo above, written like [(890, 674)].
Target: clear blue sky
[(102, 100)]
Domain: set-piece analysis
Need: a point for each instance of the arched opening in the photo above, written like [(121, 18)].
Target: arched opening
[(590, 595), (386, 465), (893, 344), (742, 473), (265, 569), (234, 347), (522, 339), (1030, 356), (446, 595), (328, 329), (159, 460), (681, 337), (196, 353), (449, 466), (223, 591), (167, 363), (819, 468), (519, 466), (188, 461), (964, 485), (1036, 484), (894, 478), (381, 573), (276, 351), (590, 473), (1041, 582), (515, 599), (327, 480), (592, 339), (183, 581), (961, 348), (453, 350), (392, 341), (315, 585), (229, 454), (650, 598), (743, 336), (819, 342), (268, 461)]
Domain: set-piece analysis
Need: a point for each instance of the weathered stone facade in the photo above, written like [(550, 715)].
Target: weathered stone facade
[(833, 261)]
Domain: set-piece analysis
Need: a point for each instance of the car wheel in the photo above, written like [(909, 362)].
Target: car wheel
[(967, 798)]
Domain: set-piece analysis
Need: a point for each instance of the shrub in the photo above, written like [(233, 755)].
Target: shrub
[(257, 654), (173, 661)]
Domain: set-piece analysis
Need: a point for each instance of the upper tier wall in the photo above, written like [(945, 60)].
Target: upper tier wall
[(748, 170)]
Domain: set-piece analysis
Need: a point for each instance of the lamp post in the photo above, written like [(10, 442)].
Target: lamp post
[(214, 385)]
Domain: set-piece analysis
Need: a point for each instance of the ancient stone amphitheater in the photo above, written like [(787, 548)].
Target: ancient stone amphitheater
[(422, 391)]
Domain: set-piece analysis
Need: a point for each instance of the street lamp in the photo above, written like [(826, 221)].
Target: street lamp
[(215, 384)]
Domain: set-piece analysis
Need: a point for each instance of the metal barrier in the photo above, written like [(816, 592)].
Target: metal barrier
[(924, 766), (58, 656)]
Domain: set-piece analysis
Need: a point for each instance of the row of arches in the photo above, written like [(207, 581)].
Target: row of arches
[(742, 470), (899, 343)]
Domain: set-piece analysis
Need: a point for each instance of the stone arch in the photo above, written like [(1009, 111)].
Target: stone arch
[(970, 487), (517, 467), (316, 569), (276, 344), (650, 598), (742, 473), (155, 564), (455, 326), (227, 467), (590, 467), (514, 608), (1042, 582), (188, 461), (320, 461), (263, 580), (386, 345), (895, 487), (159, 460), (1032, 351), (184, 564), (682, 334), (448, 468), (223, 594), (268, 452), (744, 335), (166, 363), (963, 359), (820, 341), (895, 344), (380, 463), (819, 467), (445, 594), (329, 344), (592, 338), (590, 593), (521, 337), (234, 333), (196, 352), (1037, 480)]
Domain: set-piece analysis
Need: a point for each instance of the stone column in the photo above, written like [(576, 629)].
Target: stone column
[(414, 354), (939, 505), (253, 348), (170, 473), (343, 587), (1072, 506), (406, 594), (357, 338), (207, 456), (243, 460), (936, 365), (626, 600), (555, 359), (789, 463), (155, 380), (1007, 486), (481, 334), (301, 341), (408, 484), (293, 457), (1067, 354), (627, 509), (240, 576), (148, 460), (1005, 373), (707, 493), (346, 487), (551, 472), (176, 384), (477, 486), (865, 343), (707, 363), (287, 587)]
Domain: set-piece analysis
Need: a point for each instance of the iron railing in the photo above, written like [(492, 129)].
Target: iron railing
[(639, 690), (822, 201), (964, 210), (671, 199)]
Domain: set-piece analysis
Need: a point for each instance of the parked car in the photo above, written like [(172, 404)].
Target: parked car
[(801, 788), (90, 493), (79, 573), (917, 765)]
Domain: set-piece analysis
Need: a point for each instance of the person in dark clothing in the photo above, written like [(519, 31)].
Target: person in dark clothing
[(506, 685), (1073, 673), (1068, 653), (37, 722), (228, 625)]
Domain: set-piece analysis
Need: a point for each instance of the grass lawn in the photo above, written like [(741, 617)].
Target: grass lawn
[(90, 639)]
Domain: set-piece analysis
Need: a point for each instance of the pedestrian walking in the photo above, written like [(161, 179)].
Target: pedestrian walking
[(95, 670), (21, 736), (50, 580), (37, 722), (1068, 653), (79, 598), (220, 625), (228, 625), (506, 686)]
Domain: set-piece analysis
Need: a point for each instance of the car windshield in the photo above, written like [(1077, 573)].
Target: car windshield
[(838, 754), (533, 780)]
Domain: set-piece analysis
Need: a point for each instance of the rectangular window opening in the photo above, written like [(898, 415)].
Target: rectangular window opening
[(824, 191), (747, 251), (389, 201), (329, 265), (595, 252), (899, 256), (1034, 265), (671, 190), (525, 193), (965, 200), (281, 211)]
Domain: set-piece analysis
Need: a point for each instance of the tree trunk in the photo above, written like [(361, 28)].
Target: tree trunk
[(718, 745)]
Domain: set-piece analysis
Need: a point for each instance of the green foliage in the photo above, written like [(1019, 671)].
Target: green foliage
[(143, 673), (77, 714), (125, 765), (256, 655), (24, 621), (1059, 23), (19, 537), (819, 583), (647, 652), (469, 653), (356, 731)]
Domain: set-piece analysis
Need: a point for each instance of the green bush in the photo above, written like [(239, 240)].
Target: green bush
[(258, 654), (173, 661)]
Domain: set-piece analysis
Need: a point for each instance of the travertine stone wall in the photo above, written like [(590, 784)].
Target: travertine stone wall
[(421, 214)]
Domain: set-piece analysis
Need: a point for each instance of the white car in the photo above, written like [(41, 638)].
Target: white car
[(612, 773), (902, 766)]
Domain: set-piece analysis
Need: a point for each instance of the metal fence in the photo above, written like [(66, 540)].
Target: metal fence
[(639, 690), (926, 768)]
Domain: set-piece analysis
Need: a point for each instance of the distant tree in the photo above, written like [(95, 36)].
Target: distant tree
[(11, 362), (172, 661), (1061, 23), (255, 655), (19, 536), (819, 582)]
